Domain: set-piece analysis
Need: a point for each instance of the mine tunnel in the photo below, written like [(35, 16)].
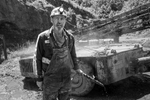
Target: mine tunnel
[(10, 35), (11, 32)]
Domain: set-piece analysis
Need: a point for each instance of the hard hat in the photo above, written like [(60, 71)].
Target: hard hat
[(58, 11)]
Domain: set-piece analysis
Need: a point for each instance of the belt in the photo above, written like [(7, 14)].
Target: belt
[(45, 60)]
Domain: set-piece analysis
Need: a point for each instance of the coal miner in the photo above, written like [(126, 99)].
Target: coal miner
[(56, 56)]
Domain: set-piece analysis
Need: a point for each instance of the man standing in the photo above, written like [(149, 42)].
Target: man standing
[(56, 56)]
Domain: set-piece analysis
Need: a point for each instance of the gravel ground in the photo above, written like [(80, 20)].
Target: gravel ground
[(15, 87)]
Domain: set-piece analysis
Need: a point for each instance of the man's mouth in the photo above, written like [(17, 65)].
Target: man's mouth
[(59, 25)]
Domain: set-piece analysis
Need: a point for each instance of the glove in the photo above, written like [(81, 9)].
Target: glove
[(39, 84), (79, 71)]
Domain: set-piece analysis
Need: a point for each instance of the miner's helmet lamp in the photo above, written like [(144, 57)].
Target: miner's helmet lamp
[(58, 11)]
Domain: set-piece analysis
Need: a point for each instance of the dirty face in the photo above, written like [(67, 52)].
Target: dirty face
[(58, 22)]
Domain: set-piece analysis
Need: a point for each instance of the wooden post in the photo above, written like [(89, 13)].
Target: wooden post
[(4, 45), (5, 53), (116, 38)]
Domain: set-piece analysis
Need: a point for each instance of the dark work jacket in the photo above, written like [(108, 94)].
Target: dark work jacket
[(45, 49)]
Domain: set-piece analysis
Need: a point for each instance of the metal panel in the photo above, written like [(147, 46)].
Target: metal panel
[(28, 67), (120, 64), (116, 67)]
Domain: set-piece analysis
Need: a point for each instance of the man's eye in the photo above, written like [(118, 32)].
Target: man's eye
[(62, 18)]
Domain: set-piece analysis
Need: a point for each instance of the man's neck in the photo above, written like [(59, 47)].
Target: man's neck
[(59, 37), (58, 33)]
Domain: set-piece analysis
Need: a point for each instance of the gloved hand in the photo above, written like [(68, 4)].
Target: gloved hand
[(79, 71), (39, 84)]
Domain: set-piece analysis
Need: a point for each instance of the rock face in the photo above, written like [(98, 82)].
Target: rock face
[(23, 15), (19, 17)]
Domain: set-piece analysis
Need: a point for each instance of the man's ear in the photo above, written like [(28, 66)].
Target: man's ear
[(51, 20)]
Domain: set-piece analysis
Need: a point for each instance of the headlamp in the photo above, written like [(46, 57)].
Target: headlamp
[(58, 11), (61, 10)]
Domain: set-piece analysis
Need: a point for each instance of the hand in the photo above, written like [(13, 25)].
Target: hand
[(39, 84), (79, 71)]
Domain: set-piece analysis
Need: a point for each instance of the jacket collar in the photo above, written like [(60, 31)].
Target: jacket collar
[(50, 31)]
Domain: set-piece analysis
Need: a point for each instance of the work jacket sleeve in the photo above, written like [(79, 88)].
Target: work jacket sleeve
[(73, 55), (39, 55)]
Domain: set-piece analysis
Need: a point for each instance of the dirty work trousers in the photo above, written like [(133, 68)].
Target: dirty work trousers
[(57, 86), (57, 79)]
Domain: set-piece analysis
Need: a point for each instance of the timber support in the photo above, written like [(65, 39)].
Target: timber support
[(3, 47)]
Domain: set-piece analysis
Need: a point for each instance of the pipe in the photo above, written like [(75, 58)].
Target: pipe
[(92, 79), (144, 59)]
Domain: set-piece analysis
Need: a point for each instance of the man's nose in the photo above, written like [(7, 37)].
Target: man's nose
[(59, 20)]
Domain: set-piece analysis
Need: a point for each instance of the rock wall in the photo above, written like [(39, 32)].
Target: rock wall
[(20, 20), (23, 15)]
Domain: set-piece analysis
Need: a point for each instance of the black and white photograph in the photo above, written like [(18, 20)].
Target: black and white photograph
[(74, 49)]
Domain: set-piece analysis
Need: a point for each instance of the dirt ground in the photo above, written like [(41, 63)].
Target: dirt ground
[(13, 86)]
